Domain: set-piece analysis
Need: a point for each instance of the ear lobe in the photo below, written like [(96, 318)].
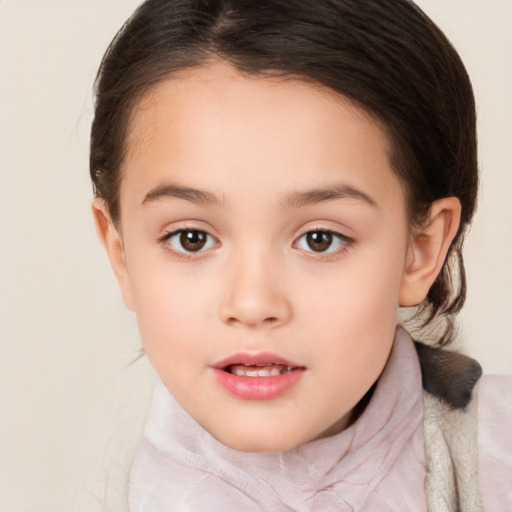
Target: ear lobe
[(111, 241), (428, 249)]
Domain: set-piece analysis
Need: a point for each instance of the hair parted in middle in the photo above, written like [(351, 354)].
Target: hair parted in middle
[(387, 56)]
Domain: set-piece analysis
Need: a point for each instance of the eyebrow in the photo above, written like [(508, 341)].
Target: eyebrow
[(329, 193), (171, 190), (293, 200)]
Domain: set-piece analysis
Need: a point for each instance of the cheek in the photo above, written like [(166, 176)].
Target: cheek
[(352, 315), (360, 292), (168, 306)]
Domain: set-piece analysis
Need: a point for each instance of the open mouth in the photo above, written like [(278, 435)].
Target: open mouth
[(258, 370), (257, 376)]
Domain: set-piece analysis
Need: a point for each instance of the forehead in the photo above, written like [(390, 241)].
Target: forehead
[(213, 119)]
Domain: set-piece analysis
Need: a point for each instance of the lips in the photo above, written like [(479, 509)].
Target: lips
[(261, 376)]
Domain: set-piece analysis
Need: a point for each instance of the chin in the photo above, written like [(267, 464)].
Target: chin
[(246, 445), (259, 442)]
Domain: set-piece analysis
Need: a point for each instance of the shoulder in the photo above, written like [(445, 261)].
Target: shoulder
[(495, 441)]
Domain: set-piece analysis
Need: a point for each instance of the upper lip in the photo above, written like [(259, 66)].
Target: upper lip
[(255, 359)]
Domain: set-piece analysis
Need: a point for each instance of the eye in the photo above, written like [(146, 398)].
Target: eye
[(189, 240), (322, 241)]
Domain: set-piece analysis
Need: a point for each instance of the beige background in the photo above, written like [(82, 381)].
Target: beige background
[(65, 338)]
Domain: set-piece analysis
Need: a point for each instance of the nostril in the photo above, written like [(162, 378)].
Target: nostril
[(270, 321)]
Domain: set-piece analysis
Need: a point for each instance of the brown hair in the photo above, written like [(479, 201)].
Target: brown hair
[(386, 55)]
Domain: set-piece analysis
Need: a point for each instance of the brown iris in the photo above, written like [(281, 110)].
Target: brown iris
[(193, 240), (319, 241)]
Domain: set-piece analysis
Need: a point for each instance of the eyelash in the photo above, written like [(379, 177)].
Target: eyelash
[(165, 240), (344, 242)]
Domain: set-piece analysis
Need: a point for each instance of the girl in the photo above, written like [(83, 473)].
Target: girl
[(273, 181)]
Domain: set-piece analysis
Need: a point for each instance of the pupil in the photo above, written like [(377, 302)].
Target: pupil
[(319, 241), (193, 240)]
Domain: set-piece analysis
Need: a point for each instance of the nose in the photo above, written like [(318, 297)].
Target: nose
[(255, 296)]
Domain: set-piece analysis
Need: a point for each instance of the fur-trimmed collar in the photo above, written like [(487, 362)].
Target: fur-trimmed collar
[(447, 375)]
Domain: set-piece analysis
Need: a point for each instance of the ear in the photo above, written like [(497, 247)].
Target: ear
[(111, 241), (427, 250)]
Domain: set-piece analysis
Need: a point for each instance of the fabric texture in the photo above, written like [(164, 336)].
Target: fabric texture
[(451, 452), (495, 442), (450, 429)]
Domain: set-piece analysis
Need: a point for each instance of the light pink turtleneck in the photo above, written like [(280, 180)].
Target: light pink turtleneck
[(377, 464)]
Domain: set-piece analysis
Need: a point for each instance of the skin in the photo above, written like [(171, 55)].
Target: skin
[(255, 148)]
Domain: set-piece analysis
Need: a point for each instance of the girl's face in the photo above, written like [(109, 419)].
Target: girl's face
[(265, 243)]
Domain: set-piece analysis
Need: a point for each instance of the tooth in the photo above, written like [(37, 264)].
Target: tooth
[(260, 370)]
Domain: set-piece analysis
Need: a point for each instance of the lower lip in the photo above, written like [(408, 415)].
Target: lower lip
[(258, 388)]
